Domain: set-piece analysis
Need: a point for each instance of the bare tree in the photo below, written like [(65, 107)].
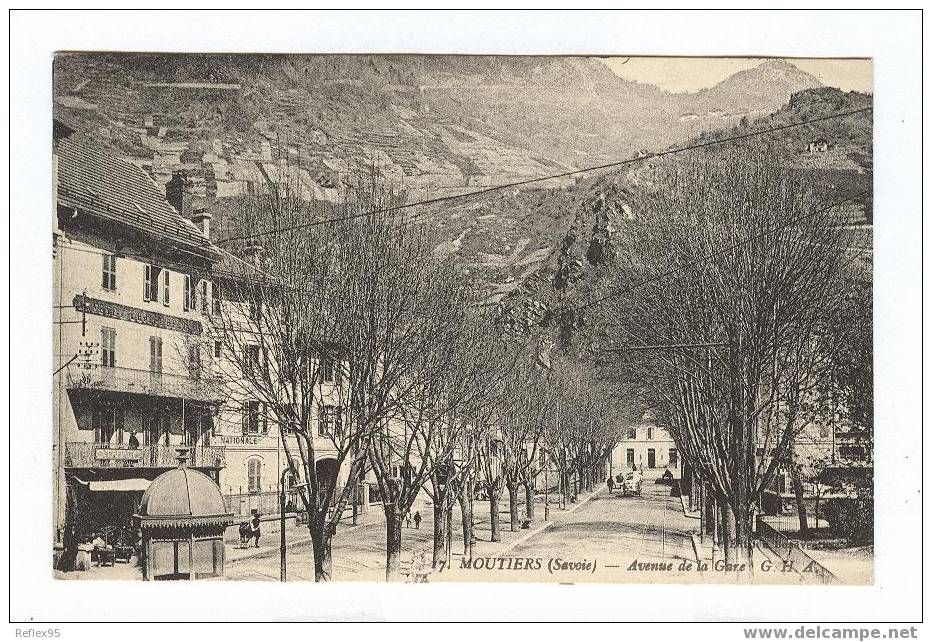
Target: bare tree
[(404, 340), (733, 250), (278, 319)]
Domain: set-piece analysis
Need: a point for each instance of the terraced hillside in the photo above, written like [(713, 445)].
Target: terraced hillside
[(431, 124)]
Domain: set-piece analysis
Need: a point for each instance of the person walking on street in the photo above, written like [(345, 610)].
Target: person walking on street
[(611, 484), (255, 527), (417, 519), (408, 520)]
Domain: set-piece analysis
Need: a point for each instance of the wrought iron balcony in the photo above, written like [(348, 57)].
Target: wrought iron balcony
[(144, 382), (94, 455)]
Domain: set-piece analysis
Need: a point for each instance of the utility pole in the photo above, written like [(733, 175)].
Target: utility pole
[(546, 487), (283, 571)]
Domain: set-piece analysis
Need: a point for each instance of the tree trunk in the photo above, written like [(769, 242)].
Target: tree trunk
[(493, 517), (440, 532), (529, 499), (743, 535), (800, 499), (728, 532), (466, 511), (392, 543), (513, 505), (323, 560)]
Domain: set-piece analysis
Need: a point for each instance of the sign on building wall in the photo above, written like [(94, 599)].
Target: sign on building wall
[(135, 315)]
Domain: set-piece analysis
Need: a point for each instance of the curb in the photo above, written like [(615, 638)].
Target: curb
[(686, 512), (695, 540)]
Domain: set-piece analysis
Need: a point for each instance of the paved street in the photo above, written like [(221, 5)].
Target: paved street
[(608, 532), (600, 540)]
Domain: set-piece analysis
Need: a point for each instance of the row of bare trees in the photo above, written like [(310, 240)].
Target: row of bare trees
[(731, 288), (344, 328)]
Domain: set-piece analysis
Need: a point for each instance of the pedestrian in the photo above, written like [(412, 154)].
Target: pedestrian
[(255, 527), (611, 484), (417, 519), (133, 440), (408, 520)]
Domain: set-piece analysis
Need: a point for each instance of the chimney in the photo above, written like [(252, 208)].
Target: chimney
[(253, 252), (177, 192), (201, 217)]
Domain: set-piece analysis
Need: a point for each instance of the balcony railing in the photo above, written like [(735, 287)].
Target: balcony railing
[(93, 455), (144, 382)]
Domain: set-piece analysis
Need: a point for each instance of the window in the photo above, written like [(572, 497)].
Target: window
[(108, 347), (252, 360), (674, 458), (254, 419), (218, 348), (289, 418), (255, 308), (108, 279), (190, 293), (166, 289), (194, 361), (107, 422), (330, 421), (629, 457), (205, 300), (632, 433), (650, 432), (151, 286), (254, 470), (215, 297), (155, 354), (326, 369), (651, 458)]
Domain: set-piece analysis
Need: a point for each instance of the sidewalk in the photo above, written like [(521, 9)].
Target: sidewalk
[(295, 535), (359, 552)]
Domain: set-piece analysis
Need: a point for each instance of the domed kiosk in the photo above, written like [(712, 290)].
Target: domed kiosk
[(182, 517)]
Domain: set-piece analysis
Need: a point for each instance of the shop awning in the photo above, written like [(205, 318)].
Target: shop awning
[(115, 485)]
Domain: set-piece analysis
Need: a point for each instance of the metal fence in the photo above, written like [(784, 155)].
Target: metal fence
[(132, 380), (792, 553), (242, 504), (267, 502)]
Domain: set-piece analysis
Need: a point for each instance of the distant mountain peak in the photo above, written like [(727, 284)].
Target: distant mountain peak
[(778, 63), (763, 88)]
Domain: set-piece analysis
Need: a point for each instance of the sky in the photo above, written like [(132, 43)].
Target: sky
[(693, 74)]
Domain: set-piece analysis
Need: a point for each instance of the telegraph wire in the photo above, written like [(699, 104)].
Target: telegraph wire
[(495, 188)]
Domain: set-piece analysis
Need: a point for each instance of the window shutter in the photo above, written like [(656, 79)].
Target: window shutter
[(147, 285)]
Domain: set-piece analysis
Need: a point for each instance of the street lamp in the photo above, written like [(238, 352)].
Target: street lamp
[(283, 572)]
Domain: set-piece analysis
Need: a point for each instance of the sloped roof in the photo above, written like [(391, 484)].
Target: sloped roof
[(93, 181), (183, 497)]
